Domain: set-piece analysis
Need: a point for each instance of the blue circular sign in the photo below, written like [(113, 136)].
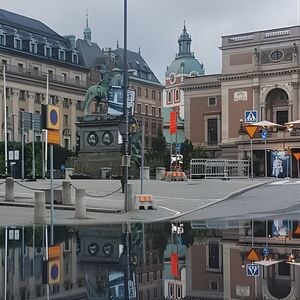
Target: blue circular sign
[(264, 134), (54, 271), (53, 117)]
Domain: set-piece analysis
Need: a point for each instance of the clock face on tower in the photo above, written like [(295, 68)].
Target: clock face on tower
[(172, 78)]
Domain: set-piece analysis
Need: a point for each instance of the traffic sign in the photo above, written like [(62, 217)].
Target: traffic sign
[(53, 137), (178, 147), (252, 255), (251, 130), (252, 270), (54, 271), (264, 134), (250, 116)]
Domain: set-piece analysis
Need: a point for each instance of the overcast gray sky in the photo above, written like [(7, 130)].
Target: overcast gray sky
[(155, 25)]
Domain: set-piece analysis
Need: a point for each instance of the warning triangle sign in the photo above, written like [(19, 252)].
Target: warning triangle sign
[(251, 130), (252, 255), (297, 155)]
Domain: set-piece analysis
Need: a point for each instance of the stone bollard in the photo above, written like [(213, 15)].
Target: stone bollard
[(9, 189), (80, 204), (66, 193), (131, 205), (160, 173), (39, 208), (146, 173)]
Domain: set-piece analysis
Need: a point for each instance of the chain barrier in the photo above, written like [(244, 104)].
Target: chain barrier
[(35, 189), (98, 196)]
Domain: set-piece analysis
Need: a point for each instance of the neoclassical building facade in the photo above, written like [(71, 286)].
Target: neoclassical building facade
[(260, 72)]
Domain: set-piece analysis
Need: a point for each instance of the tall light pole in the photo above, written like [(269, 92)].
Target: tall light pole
[(125, 158), (5, 119)]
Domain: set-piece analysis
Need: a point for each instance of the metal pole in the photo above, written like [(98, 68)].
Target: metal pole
[(46, 238), (52, 194), (125, 110), (22, 141), (33, 155), (5, 265), (142, 160), (251, 157), (266, 159), (23, 253), (171, 153), (33, 247), (46, 131), (5, 119), (43, 153)]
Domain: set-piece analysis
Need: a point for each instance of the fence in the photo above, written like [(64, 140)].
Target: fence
[(217, 168)]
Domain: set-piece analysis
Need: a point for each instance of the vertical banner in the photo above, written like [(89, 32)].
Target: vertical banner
[(174, 264), (173, 122)]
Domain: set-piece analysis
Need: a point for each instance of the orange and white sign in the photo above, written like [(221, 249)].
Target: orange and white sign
[(251, 130)]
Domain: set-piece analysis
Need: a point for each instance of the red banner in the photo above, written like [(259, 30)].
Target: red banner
[(173, 122), (174, 264)]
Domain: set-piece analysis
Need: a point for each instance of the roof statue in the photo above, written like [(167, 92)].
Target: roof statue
[(98, 93)]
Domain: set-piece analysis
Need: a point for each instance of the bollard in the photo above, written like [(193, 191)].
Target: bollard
[(66, 193), (39, 208), (131, 205), (160, 173), (9, 189), (80, 204)]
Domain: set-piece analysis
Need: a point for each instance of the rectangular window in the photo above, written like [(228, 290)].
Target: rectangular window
[(214, 285), (50, 74), (18, 44), (281, 116), (77, 80), (153, 128), (66, 102), (2, 42), (171, 290), (66, 120), (146, 109), (177, 99), (178, 291), (79, 105), (159, 111), (212, 101), (153, 95), (48, 51), (75, 58), (153, 111), (61, 55), (212, 131), (146, 93), (35, 70), (169, 97), (20, 68), (214, 255), (22, 96), (146, 127), (159, 95), (64, 75), (148, 277), (139, 91), (38, 98), (139, 108), (154, 275), (33, 47)]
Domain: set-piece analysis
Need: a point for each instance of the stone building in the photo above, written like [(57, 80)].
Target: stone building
[(259, 73)]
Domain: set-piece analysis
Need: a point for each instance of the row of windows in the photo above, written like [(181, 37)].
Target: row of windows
[(154, 95), (146, 295), (154, 111), (155, 276), (43, 49)]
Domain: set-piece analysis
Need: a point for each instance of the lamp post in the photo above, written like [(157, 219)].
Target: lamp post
[(125, 157)]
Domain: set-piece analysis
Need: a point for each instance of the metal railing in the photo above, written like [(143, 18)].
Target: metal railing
[(218, 168)]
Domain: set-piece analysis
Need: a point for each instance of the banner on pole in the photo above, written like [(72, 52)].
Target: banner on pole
[(173, 122)]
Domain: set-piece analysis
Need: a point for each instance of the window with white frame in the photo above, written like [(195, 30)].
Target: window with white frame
[(61, 54), (74, 58), (212, 101), (17, 42), (2, 37), (32, 46), (169, 97), (171, 290), (177, 98), (47, 50)]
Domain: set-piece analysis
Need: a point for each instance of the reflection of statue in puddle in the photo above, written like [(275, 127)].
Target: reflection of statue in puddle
[(277, 167)]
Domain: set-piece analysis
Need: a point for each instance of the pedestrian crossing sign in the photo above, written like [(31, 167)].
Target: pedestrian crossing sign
[(250, 116)]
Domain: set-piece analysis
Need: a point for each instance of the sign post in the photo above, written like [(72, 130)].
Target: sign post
[(251, 130), (264, 135)]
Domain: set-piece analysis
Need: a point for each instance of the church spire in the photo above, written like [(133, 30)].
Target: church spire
[(87, 33), (184, 43)]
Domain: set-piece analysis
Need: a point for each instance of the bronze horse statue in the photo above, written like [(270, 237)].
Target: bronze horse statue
[(99, 92)]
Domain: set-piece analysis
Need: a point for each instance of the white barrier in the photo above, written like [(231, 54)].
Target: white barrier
[(218, 168)]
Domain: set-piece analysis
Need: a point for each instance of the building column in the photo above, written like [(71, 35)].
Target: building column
[(295, 102), (290, 110), (73, 120), (30, 100), (1, 114), (262, 111), (14, 109), (256, 99)]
